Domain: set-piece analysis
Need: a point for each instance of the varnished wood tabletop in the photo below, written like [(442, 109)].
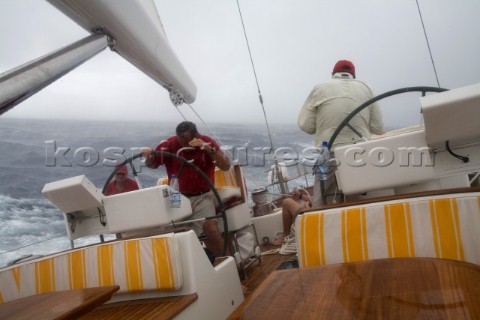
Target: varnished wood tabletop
[(404, 288), (56, 305)]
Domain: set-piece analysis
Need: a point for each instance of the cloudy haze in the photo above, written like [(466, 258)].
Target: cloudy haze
[(294, 46)]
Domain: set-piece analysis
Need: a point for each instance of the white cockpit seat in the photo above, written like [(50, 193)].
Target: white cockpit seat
[(232, 190), (418, 160)]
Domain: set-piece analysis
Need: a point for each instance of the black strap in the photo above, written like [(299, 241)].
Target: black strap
[(464, 159)]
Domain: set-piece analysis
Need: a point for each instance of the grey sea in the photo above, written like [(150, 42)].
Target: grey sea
[(35, 152)]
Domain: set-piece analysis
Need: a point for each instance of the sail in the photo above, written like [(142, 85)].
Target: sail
[(136, 33)]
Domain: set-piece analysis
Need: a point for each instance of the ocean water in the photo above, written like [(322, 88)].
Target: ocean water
[(35, 152)]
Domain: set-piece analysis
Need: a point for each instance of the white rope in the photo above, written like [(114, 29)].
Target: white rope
[(211, 131), (178, 109), (217, 138)]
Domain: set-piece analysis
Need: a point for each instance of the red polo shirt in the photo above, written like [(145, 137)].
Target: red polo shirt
[(189, 181), (130, 185)]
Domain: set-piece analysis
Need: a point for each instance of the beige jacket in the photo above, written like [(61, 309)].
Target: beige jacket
[(331, 102)]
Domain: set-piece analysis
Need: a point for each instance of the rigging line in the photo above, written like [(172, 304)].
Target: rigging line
[(230, 154), (428, 43), (178, 109), (211, 131), (256, 79)]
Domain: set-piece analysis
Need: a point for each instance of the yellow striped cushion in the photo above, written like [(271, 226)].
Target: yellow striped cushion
[(135, 265), (441, 226), (225, 178)]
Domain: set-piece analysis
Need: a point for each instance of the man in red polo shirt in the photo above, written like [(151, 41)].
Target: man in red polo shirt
[(121, 183), (205, 156)]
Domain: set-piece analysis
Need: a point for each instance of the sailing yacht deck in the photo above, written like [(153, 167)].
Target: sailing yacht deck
[(270, 262), (402, 288), (169, 307)]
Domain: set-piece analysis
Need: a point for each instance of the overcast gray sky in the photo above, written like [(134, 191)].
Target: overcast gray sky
[(294, 43)]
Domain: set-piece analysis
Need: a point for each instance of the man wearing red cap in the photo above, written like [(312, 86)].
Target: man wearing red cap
[(329, 104), (121, 183)]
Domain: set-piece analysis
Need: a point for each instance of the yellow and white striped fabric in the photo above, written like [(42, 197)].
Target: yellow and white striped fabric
[(440, 227), (225, 178), (134, 265)]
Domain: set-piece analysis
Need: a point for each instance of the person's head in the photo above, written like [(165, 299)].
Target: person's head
[(186, 131), (344, 66), (121, 174)]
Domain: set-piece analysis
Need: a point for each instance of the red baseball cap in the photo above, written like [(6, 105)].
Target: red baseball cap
[(344, 66), (123, 169)]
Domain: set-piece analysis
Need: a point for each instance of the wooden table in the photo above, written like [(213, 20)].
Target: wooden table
[(165, 308), (405, 288), (57, 305)]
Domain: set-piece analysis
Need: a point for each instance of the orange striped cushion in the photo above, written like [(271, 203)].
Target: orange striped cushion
[(441, 227), (225, 178), (135, 265)]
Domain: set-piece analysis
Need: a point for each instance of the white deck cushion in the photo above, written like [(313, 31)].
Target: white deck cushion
[(440, 227), (135, 265)]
